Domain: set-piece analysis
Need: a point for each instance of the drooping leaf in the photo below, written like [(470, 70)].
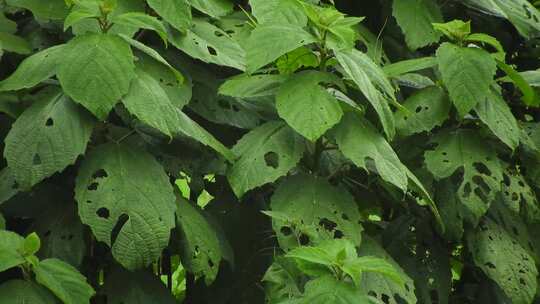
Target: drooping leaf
[(302, 57), (245, 86), (50, 9), (64, 281), (372, 82), (496, 114), (519, 197), (415, 19), (47, 137), (482, 172), (264, 154), (304, 103), (25, 292), (96, 71), (144, 21), (201, 249), (504, 261), (278, 12), (427, 109), (14, 44), (125, 197), (467, 73), (175, 12), (270, 41), (319, 212), (206, 42), (34, 69)]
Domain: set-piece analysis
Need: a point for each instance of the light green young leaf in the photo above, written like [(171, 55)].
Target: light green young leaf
[(310, 254), (213, 8), (299, 58), (64, 281), (427, 109), (415, 19), (31, 244), (144, 21), (11, 250), (43, 10), (328, 289), (467, 73), (150, 103), (25, 292), (319, 212), (482, 172), (201, 250), (247, 86), (14, 44), (80, 13), (34, 69), (210, 44), (124, 195), (264, 154), (279, 12), (456, 30), (504, 261), (360, 142), (355, 267), (270, 41), (496, 114), (175, 12), (36, 145), (304, 103), (372, 82), (96, 71)]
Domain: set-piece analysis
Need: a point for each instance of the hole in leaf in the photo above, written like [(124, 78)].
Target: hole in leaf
[(103, 213), (271, 159), (212, 50), (122, 219), (482, 169), (37, 160), (49, 122), (327, 224), (303, 239), (93, 186), (338, 234), (418, 109), (218, 33), (210, 263), (99, 174), (286, 231)]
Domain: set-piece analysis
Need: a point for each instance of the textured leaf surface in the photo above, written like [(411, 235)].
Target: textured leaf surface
[(415, 19), (34, 69), (213, 8), (428, 108), (372, 82), (360, 142), (176, 12), (329, 290), (268, 42), (96, 71), (209, 43), (467, 74), (504, 261), (46, 138), (50, 9), (320, 211), (8, 185), (305, 104), (25, 292), (279, 12), (10, 250), (201, 252), (126, 198), (64, 281), (264, 154), (245, 86), (482, 172)]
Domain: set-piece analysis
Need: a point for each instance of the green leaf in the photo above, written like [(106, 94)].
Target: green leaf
[(282, 279), (31, 244), (304, 103), (210, 44), (482, 172), (302, 57), (11, 250), (175, 12), (96, 71), (213, 8), (519, 197), (150, 103), (279, 12), (81, 12), (427, 109), (359, 141), (36, 146), (530, 97), (7, 25), (14, 44), (327, 289), (8, 185), (25, 292), (264, 154), (489, 40), (372, 82), (64, 281), (34, 69), (122, 286), (415, 19), (504, 261), (410, 65), (467, 74), (355, 268), (246, 86), (270, 41), (201, 249), (50, 9), (496, 114), (125, 197), (456, 30), (319, 212), (314, 255), (144, 21)]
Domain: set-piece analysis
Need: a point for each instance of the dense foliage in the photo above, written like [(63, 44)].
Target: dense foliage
[(269, 151)]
